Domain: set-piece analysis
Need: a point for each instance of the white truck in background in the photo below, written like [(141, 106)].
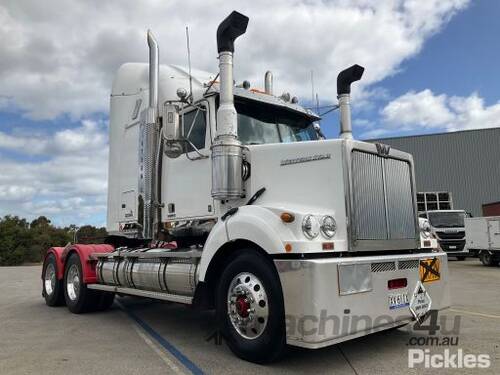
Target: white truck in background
[(483, 238), (447, 226), (224, 197)]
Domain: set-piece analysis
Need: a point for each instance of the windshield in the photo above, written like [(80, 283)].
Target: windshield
[(260, 123), (446, 219)]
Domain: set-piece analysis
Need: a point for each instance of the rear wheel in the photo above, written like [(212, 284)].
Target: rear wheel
[(79, 298), (250, 308), (52, 287), (486, 258)]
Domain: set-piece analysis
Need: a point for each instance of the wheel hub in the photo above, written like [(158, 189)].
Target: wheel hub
[(242, 306), (73, 282), (50, 279), (247, 304)]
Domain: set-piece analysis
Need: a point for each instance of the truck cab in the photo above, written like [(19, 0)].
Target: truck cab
[(448, 228)]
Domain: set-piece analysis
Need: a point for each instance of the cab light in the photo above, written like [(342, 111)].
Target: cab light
[(287, 217), (397, 283)]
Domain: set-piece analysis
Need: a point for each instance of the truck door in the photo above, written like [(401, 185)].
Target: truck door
[(187, 180), (494, 233)]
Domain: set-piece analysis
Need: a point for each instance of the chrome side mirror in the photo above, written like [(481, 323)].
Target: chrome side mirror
[(171, 131)]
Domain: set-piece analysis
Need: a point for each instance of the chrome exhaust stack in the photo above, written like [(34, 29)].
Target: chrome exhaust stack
[(268, 83), (148, 143), (227, 153), (344, 80)]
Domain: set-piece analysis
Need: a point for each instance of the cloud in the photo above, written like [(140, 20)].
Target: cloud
[(60, 59), (58, 62), (68, 181), (426, 110)]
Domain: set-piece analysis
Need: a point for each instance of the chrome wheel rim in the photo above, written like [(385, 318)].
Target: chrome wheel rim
[(50, 279), (73, 282), (247, 305)]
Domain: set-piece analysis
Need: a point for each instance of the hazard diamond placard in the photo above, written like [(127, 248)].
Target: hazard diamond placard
[(429, 270)]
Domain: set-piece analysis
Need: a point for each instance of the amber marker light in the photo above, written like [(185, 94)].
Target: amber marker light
[(288, 247), (287, 217), (328, 246)]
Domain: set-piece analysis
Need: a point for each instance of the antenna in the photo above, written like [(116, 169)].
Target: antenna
[(317, 105), (189, 65), (312, 87)]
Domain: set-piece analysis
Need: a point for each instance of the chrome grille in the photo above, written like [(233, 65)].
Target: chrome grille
[(383, 266), (400, 213), (368, 189), (408, 264), (383, 204)]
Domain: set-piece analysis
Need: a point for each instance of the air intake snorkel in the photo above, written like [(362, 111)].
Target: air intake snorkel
[(227, 154), (344, 80)]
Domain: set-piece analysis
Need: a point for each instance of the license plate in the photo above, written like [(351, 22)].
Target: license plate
[(453, 247), (429, 270), (398, 300)]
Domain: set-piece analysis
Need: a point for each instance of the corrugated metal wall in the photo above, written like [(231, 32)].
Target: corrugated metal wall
[(467, 163)]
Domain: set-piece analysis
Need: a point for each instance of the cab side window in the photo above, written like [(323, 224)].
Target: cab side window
[(194, 128)]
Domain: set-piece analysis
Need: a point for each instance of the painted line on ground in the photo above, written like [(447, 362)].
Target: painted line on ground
[(476, 313), (162, 341), (158, 351)]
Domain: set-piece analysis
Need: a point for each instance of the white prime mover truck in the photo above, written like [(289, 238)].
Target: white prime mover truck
[(483, 238), (224, 197)]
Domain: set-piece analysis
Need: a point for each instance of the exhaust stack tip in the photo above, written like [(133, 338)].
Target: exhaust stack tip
[(268, 83), (231, 28), (348, 76)]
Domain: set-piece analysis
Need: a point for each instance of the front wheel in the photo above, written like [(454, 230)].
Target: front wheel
[(250, 308)]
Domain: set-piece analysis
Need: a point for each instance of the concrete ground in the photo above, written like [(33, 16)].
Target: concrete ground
[(147, 337)]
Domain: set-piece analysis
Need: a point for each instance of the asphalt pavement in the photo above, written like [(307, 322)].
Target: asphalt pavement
[(138, 336)]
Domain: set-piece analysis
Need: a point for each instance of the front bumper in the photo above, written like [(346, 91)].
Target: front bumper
[(318, 313), (453, 247)]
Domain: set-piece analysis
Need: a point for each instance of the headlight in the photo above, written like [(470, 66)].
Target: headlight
[(426, 229), (310, 226), (328, 226)]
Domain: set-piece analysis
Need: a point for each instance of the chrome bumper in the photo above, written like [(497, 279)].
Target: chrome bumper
[(330, 300)]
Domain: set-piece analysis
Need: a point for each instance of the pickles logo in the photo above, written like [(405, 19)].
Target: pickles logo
[(447, 359)]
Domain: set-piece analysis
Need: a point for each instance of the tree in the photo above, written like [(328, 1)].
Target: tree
[(21, 241), (15, 238)]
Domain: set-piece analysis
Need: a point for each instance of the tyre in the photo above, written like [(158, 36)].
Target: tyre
[(486, 258), (104, 301), (249, 308), (52, 288), (79, 298), (461, 258)]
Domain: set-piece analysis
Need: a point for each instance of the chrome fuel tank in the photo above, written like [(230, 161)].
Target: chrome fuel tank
[(168, 275)]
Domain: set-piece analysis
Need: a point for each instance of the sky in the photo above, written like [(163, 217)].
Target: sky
[(430, 68)]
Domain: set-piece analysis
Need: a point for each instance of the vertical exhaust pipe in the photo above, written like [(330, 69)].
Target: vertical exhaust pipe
[(149, 141), (344, 80), (227, 154), (154, 71), (268, 83)]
